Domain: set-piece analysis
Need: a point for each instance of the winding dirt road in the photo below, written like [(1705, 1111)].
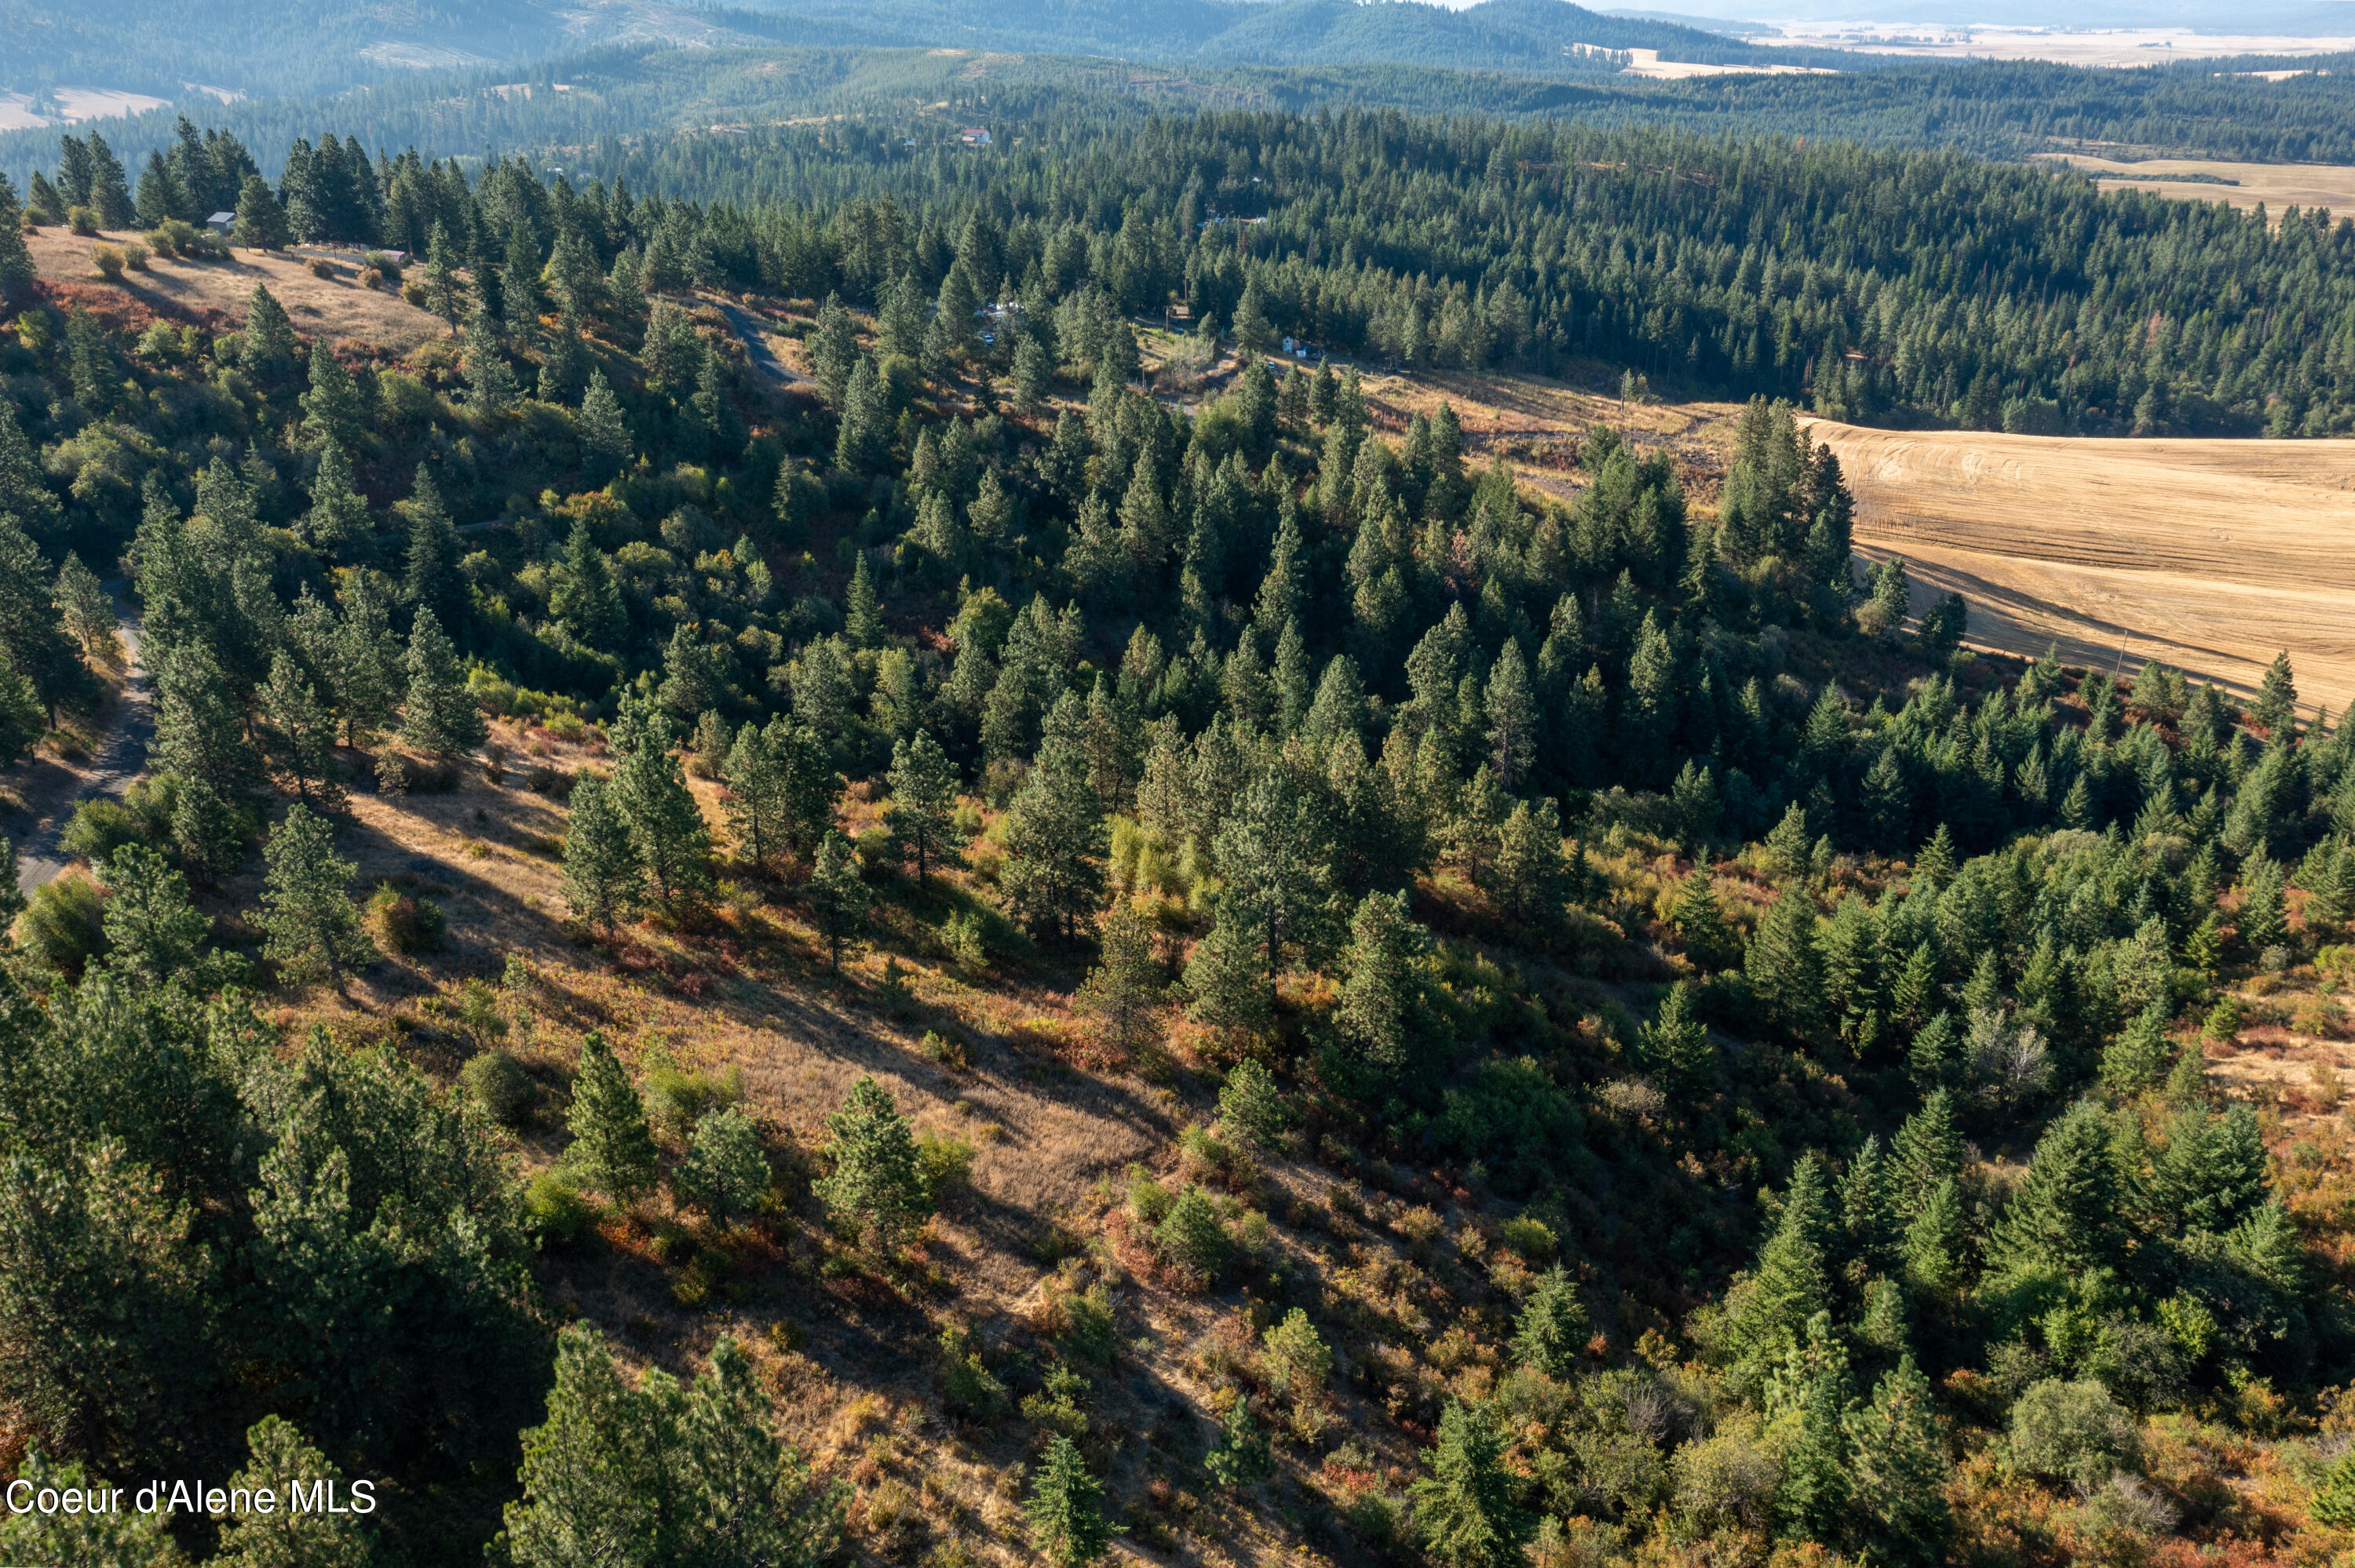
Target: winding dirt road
[(122, 756)]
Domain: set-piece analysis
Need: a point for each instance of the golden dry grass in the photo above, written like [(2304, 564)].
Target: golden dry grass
[(333, 307), (2278, 187), (2212, 555)]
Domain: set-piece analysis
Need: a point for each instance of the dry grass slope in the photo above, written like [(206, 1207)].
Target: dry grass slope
[(2208, 554), (333, 307)]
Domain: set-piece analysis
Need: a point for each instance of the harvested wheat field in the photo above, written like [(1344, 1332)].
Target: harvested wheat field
[(2208, 554), (333, 307), (2277, 186)]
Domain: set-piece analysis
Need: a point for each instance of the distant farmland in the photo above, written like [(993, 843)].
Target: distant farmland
[(2208, 554)]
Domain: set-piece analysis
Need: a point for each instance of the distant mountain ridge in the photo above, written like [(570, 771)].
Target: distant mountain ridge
[(293, 48)]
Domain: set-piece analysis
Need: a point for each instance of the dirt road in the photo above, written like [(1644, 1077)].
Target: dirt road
[(122, 755), (748, 327)]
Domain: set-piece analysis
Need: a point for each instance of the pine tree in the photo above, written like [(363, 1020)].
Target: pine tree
[(1927, 1151), (17, 269), (24, 494), (1785, 965), (613, 1145), (1121, 992), (812, 786), (368, 660), (862, 614), (725, 1172), (1532, 880), (1242, 1456), (261, 221), (605, 442), (2137, 1058), (2066, 1214), (490, 381), (836, 896), (590, 1471), (338, 523), (331, 408), (1553, 1328), (153, 935), (2275, 709), (440, 715), (755, 802), (2263, 920), (206, 829), (1054, 829), (1381, 1008), (122, 1538), (310, 921), (863, 443), (603, 876), (199, 734), (1065, 1509), (666, 823), (33, 637), (1512, 717), (1810, 1399), (924, 800), (1673, 1046), (1898, 1471), (433, 582), (1769, 1309), (1933, 1243), (1250, 1105), (1465, 1509), (270, 346), (280, 1459), (877, 1183), (298, 732), (1277, 866), (584, 596)]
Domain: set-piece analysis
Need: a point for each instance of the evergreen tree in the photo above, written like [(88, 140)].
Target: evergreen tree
[(1121, 992), (1553, 1328), (2065, 1215), (280, 1459), (261, 221), (1768, 1309), (2275, 709), (1277, 866), (725, 1172), (1381, 1009), (1465, 1509), (1065, 1509), (666, 823), (863, 614), (605, 442), (1250, 1105), (863, 443), (199, 733), (1784, 965), (1242, 1456), (1054, 829), (2263, 920), (24, 494), (298, 732), (153, 935), (338, 523), (331, 408), (924, 800), (836, 896), (205, 830), (433, 582), (309, 917), (1898, 1472), (755, 802), (119, 1538), (1673, 1046), (1810, 1399), (1927, 1151), (877, 1186), (1935, 1243), (17, 269), (368, 660), (603, 875), (270, 347), (584, 598), (33, 636), (613, 1145), (440, 715), (2137, 1058)]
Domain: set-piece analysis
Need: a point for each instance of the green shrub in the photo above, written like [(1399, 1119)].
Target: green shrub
[(402, 923), (969, 1386), (677, 1099), (63, 925), (946, 1161), (99, 828), (556, 1209), (151, 803), (1533, 1239), (2072, 1432), (498, 1082), (1191, 1237)]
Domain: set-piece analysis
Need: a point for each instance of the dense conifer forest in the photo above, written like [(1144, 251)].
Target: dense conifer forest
[(1678, 1058)]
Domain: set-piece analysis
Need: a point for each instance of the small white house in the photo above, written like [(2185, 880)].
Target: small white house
[(221, 222)]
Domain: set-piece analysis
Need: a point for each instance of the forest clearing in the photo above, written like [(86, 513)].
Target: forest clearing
[(2275, 187)]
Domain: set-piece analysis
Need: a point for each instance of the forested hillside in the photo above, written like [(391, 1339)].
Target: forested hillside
[(1648, 1049)]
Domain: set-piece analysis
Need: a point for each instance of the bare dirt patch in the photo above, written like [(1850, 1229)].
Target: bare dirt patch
[(332, 307), (2212, 555), (2277, 186)]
